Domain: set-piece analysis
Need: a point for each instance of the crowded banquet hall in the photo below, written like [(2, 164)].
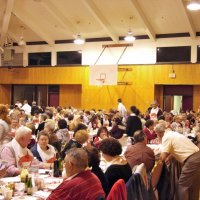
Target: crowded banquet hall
[(99, 100)]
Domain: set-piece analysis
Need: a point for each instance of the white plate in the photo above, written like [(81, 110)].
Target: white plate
[(41, 194), (44, 171), (25, 198), (53, 186), (11, 179)]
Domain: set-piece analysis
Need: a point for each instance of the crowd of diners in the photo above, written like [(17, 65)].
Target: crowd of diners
[(28, 131)]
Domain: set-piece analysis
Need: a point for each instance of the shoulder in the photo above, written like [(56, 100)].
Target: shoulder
[(4, 125), (34, 148)]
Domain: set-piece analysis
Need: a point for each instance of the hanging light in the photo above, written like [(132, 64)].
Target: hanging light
[(193, 5), (79, 40), (129, 37), (21, 42)]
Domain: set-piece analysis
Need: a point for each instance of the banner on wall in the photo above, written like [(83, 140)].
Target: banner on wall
[(103, 75)]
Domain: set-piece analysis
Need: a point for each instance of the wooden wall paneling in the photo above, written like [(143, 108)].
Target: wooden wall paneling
[(158, 94), (5, 94), (196, 97), (144, 86), (70, 95), (42, 75), (141, 93)]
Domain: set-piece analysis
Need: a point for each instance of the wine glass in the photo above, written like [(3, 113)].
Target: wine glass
[(20, 188)]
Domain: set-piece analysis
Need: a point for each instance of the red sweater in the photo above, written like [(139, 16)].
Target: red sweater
[(150, 135), (84, 186)]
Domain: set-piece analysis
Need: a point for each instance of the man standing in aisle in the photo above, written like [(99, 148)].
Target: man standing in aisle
[(26, 107), (182, 149), (121, 108)]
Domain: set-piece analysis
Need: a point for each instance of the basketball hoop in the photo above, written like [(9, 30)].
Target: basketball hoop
[(100, 82)]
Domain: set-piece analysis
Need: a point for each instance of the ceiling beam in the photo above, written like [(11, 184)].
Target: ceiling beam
[(101, 19), (13, 36), (149, 30), (187, 19), (33, 24), (50, 6), (6, 20)]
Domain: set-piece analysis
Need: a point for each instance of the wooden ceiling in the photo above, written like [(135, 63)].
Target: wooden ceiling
[(51, 20)]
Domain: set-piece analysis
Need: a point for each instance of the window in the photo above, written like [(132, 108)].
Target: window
[(38, 59), (69, 57), (173, 54)]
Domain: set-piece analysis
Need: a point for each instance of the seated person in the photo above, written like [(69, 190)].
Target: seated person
[(80, 183), (78, 127), (102, 133), (118, 129), (94, 123), (42, 150), (62, 132), (140, 153), (149, 130), (43, 118), (79, 139), (119, 168), (32, 127), (93, 162), (49, 127), (14, 126), (16, 152)]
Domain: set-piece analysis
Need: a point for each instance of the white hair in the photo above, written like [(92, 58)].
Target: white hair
[(160, 128), (22, 131), (50, 124)]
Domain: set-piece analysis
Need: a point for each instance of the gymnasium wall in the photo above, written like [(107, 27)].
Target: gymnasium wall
[(76, 91)]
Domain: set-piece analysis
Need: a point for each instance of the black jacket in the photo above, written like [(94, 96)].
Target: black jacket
[(133, 124)]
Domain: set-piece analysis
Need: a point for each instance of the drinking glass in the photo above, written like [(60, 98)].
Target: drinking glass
[(20, 188)]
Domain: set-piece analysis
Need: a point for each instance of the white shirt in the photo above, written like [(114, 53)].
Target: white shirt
[(27, 109), (122, 109), (153, 113), (178, 145)]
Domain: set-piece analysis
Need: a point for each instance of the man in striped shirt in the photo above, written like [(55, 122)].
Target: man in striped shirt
[(80, 182)]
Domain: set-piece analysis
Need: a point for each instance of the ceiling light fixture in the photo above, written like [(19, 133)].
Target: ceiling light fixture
[(79, 40), (193, 5), (129, 37), (22, 42)]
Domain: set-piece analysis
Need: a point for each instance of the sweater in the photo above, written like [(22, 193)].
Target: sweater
[(84, 186)]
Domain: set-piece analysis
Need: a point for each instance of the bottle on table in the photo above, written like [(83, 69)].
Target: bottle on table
[(56, 170), (23, 174), (60, 165), (26, 183), (29, 186)]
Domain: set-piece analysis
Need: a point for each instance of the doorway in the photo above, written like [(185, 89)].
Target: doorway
[(43, 94), (177, 98)]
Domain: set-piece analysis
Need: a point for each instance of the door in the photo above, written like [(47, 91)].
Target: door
[(187, 103), (178, 97), (53, 99)]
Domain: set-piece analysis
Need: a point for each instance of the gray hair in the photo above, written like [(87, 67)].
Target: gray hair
[(78, 157), (22, 131), (160, 128), (50, 123)]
